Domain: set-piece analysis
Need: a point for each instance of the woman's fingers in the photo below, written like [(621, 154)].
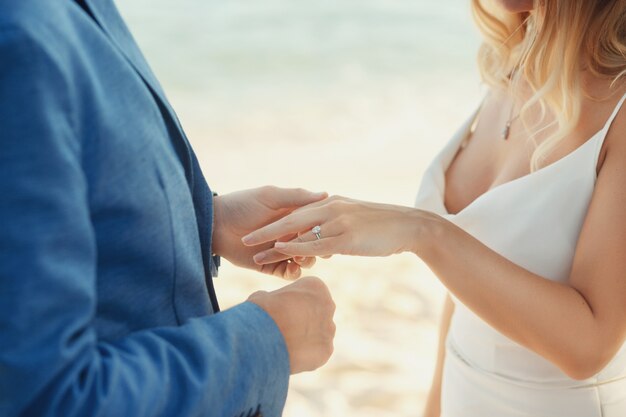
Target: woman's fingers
[(290, 224), (308, 244), (272, 256), (287, 238), (301, 234), (322, 247)]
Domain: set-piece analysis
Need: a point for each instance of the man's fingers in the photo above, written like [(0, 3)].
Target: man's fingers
[(305, 261), (293, 271), (270, 256), (277, 269), (278, 198), (289, 271), (320, 203), (285, 270)]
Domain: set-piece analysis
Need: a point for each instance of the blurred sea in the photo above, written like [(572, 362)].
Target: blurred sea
[(212, 46), (305, 61), (354, 97)]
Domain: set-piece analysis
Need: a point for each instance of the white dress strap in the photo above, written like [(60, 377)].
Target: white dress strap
[(614, 114), (605, 130)]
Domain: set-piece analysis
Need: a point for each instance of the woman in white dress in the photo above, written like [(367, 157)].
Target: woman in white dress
[(522, 216)]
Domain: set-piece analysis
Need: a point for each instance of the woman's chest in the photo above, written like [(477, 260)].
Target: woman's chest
[(484, 158)]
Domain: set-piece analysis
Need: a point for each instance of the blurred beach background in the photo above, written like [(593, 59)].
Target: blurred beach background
[(353, 97)]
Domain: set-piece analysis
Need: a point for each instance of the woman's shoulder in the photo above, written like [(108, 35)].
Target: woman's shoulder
[(615, 140)]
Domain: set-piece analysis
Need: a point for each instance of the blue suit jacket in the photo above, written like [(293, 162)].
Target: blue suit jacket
[(106, 295)]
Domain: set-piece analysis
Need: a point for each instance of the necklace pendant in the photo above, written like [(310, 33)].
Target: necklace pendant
[(506, 131)]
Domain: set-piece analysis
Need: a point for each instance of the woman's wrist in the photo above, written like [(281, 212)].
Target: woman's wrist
[(428, 231)]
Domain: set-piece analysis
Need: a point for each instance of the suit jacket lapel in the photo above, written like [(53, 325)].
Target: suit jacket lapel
[(107, 16), (111, 22)]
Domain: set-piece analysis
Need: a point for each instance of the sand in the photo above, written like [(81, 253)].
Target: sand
[(387, 308)]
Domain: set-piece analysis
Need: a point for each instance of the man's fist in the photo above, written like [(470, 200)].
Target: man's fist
[(304, 313)]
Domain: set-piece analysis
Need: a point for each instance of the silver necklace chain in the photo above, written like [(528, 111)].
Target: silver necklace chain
[(506, 132)]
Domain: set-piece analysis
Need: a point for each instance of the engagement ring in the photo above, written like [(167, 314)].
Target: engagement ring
[(317, 231)]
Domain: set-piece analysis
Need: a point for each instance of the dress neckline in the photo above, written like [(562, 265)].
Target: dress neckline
[(456, 145)]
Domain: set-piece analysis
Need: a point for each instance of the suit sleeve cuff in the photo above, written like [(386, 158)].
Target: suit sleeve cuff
[(264, 356), (215, 261)]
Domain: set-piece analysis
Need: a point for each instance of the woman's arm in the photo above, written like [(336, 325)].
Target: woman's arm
[(578, 325), (433, 401), (555, 320)]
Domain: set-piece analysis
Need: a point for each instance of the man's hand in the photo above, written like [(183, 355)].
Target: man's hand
[(240, 213), (304, 313)]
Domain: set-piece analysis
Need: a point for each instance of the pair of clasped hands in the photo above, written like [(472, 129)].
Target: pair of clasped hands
[(269, 229)]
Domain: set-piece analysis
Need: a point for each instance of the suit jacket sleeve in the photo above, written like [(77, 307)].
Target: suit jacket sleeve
[(51, 360)]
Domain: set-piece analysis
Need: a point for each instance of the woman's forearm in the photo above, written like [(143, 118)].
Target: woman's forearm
[(550, 318), (553, 319)]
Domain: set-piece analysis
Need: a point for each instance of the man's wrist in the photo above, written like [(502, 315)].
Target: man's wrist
[(216, 259), (261, 355), (216, 241)]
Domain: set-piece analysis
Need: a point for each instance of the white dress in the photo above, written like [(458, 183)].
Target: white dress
[(534, 221)]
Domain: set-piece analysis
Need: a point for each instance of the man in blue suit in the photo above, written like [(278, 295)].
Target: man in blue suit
[(110, 236)]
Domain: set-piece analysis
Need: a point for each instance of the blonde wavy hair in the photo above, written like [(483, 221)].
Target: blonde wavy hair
[(548, 48)]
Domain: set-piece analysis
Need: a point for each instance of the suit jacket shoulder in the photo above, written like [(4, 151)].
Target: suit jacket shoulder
[(104, 304)]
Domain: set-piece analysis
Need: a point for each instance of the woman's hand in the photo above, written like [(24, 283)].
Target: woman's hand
[(347, 227)]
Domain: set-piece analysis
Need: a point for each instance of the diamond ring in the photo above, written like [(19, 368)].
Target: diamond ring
[(317, 231)]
